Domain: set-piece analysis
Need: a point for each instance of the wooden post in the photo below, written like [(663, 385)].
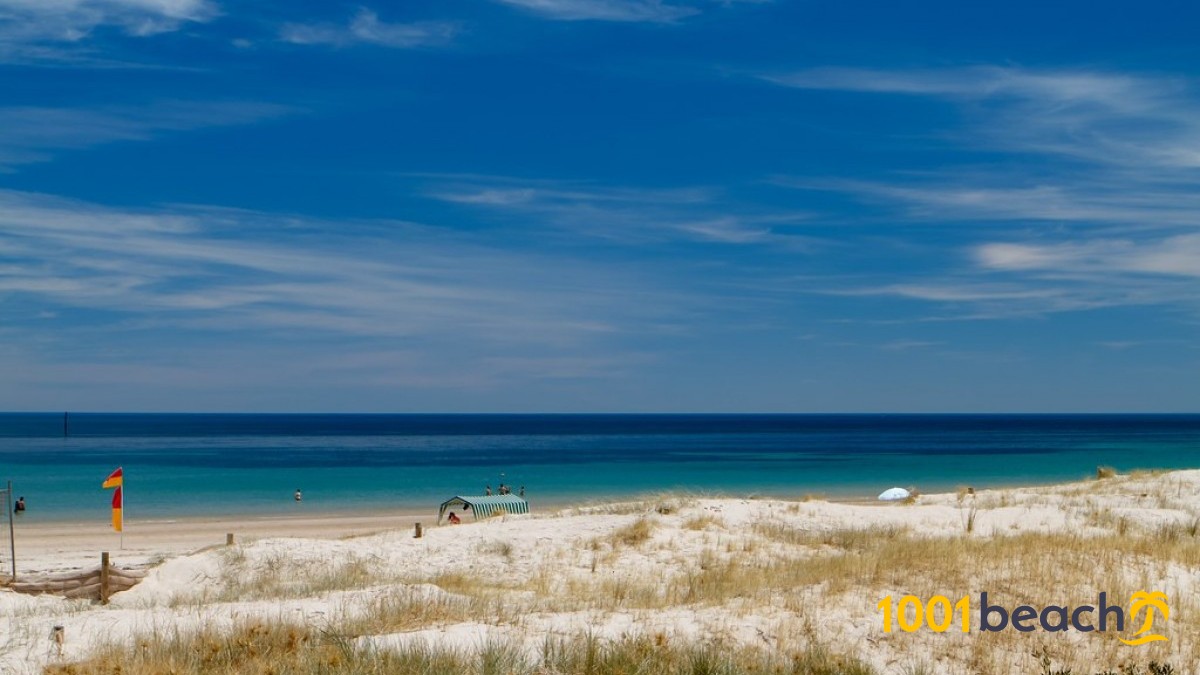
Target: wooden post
[(12, 535), (104, 578), (417, 535), (229, 539)]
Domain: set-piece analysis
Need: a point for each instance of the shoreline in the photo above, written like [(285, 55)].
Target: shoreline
[(51, 546), (844, 495)]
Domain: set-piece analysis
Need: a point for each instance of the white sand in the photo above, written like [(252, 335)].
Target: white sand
[(517, 549)]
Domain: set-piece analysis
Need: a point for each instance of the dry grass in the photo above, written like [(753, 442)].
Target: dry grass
[(498, 547), (634, 534), (856, 567), (788, 574), (280, 577), (663, 504), (261, 649), (1103, 472), (703, 521)]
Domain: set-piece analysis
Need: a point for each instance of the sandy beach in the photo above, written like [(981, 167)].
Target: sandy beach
[(765, 574), (59, 546)]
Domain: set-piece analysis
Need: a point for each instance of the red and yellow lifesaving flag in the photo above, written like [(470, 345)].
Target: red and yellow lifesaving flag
[(115, 480)]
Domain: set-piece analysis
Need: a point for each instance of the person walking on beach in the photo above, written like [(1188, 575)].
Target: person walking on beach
[(298, 496), (522, 492), (487, 491)]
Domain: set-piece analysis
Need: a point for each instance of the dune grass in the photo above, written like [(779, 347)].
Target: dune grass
[(790, 577), (263, 648)]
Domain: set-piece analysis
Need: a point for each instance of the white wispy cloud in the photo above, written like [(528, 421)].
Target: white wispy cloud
[(71, 20), (1108, 118), (1098, 207), (1078, 197), (219, 269), (907, 345), (623, 213), (167, 303), (34, 30), (966, 298), (1177, 256), (34, 134), (961, 292), (973, 82), (651, 11), (365, 28)]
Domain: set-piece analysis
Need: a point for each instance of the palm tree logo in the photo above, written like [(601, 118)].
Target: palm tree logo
[(1149, 602)]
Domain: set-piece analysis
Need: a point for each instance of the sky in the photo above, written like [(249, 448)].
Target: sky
[(599, 206)]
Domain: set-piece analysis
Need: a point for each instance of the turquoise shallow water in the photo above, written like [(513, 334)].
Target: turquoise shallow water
[(209, 465)]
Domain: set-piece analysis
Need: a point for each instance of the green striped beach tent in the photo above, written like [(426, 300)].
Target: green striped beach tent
[(484, 507)]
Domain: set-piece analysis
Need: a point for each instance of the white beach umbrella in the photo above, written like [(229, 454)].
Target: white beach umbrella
[(893, 495)]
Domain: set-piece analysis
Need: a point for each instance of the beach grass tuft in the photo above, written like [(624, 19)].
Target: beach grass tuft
[(634, 534)]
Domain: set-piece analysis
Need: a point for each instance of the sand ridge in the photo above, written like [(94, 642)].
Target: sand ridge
[(607, 569)]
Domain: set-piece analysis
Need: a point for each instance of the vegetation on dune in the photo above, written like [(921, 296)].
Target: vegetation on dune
[(261, 649), (802, 583)]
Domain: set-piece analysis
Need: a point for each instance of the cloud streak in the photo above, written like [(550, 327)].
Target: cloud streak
[(39, 30), (226, 270), (1177, 256), (622, 214), (1082, 198), (1112, 119), (365, 28), (641, 11), (1107, 217), (35, 134)]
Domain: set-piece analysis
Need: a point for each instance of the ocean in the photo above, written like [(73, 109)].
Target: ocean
[(185, 465)]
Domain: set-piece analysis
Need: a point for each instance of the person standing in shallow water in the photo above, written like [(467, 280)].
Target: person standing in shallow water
[(487, 491), (19, 507), (298, 496)]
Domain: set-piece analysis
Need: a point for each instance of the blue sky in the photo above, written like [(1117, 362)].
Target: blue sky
[(599, 205)]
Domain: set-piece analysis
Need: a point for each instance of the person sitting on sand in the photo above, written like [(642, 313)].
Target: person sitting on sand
[(454, 519), (19, 507)]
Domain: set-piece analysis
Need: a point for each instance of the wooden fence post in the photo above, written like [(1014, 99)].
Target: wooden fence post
[(104, 578), (229, 539), (417, 535)]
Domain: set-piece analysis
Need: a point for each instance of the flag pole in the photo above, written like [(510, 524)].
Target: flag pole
[(117, 480)]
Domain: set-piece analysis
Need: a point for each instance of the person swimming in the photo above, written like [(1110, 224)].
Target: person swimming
[(298, 496)]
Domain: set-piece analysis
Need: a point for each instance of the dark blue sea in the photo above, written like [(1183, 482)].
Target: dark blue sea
[(180, 465)]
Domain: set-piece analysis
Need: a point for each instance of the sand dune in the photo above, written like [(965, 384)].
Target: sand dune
[(772, 574)]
